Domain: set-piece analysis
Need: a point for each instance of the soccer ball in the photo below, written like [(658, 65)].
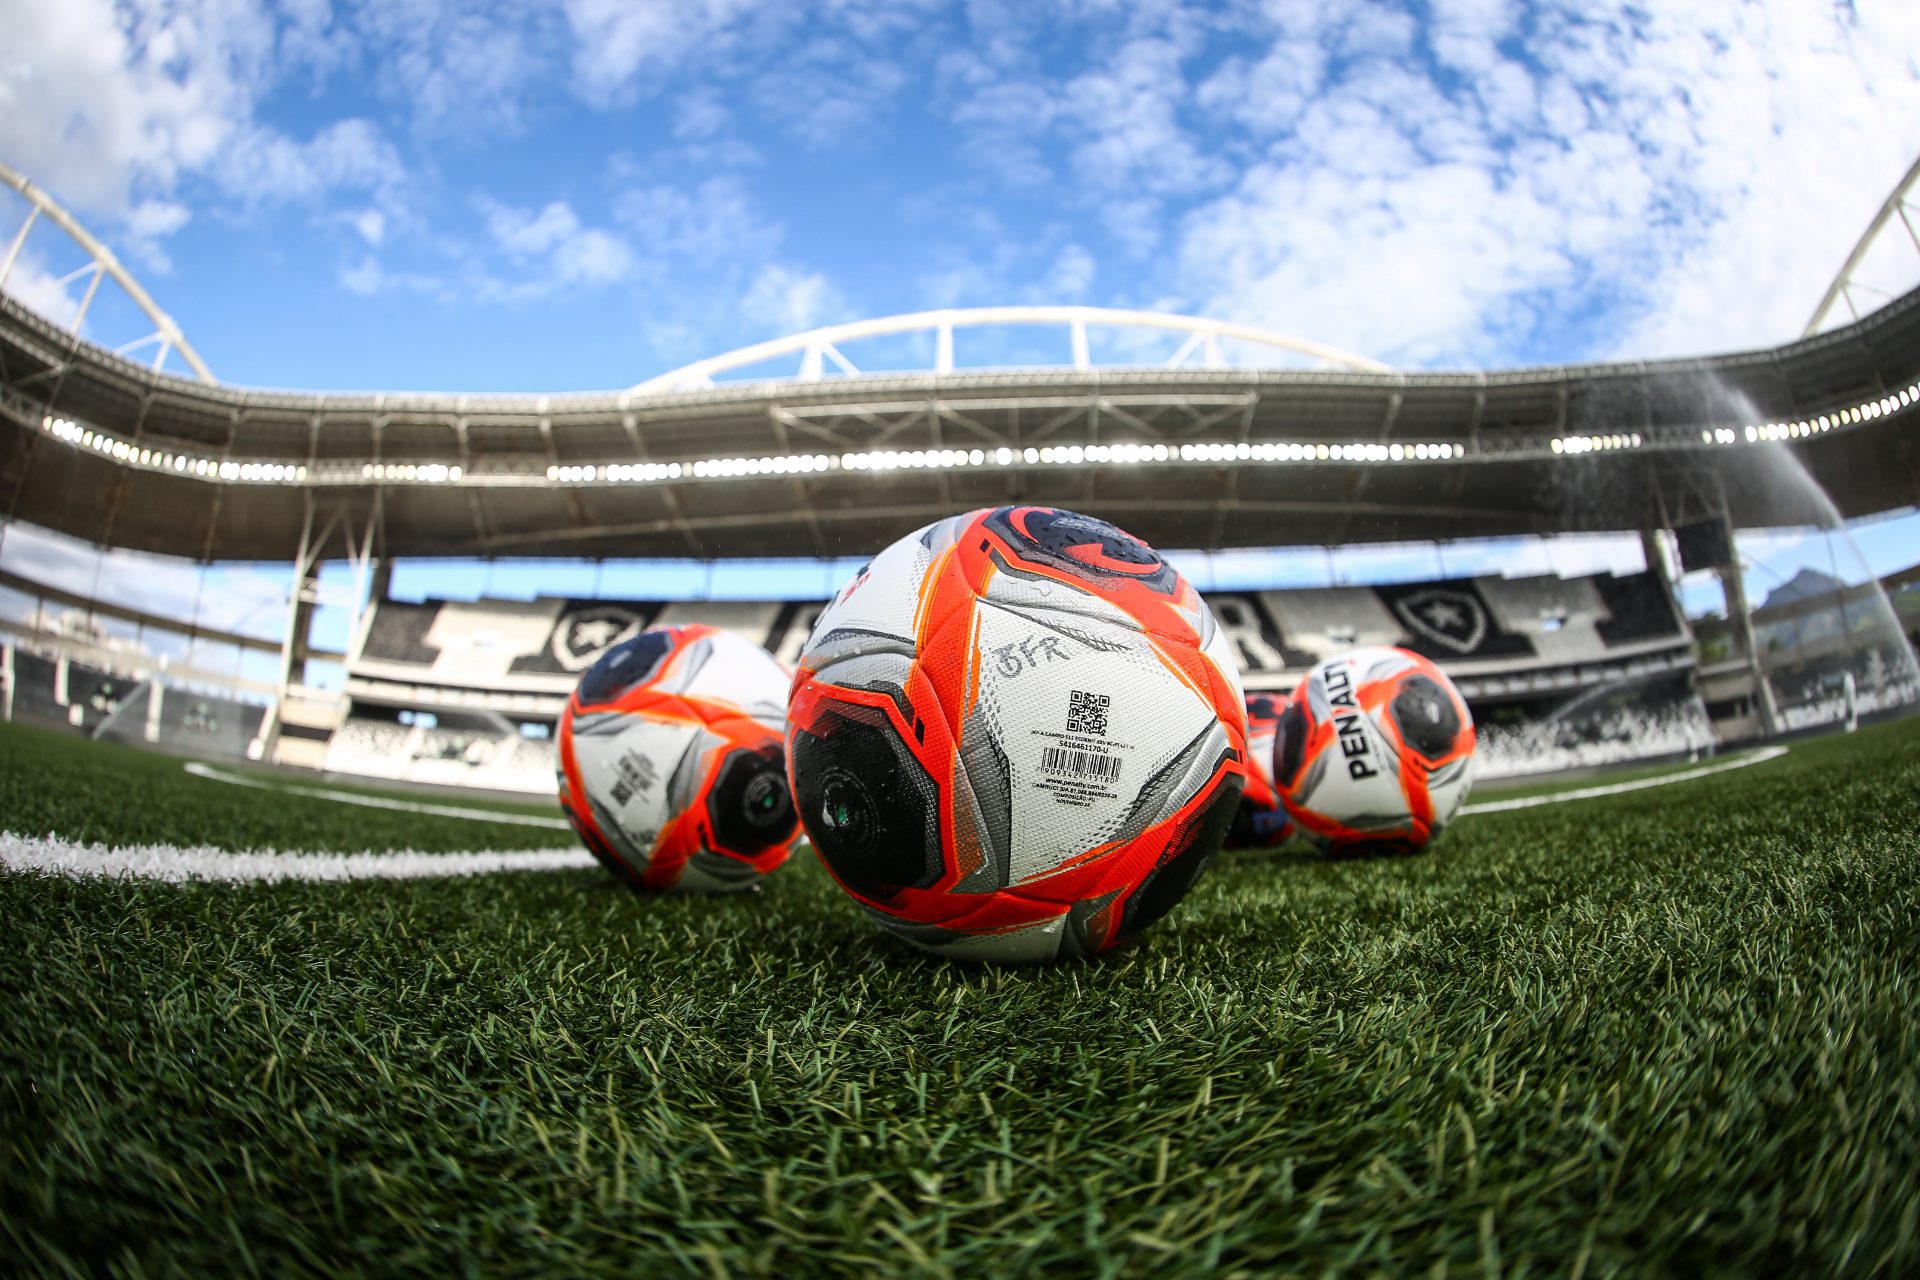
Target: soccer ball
[(672, 766), (1374, 754), (1016, 735), (1262, 820)]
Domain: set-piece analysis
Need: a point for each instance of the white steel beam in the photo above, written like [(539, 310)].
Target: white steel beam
[(814, 343), (103, 260), (1840, 291)]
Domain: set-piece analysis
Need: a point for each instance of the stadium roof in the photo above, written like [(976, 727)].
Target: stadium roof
[(97, 446)]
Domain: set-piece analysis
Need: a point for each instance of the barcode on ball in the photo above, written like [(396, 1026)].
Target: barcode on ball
[(1084, 764)]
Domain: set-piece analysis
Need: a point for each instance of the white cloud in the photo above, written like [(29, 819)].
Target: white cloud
[(349, 155), (1564, 179), (1004, 121), (1425, 266), (1121, 128), (367, 276), (461, 67), (1460, 182), (823, 71), (152, 219), (364, 277), (710, 221), (552, 249), (618, 43), (1071, 275), (371, 224), (115, 109), (699, 116), (1127, 114), (1466, 34), (524, 234), (116, 99), (788, 300), (831, 93), (593, 257), (1484, 182), (53, 296), (1801, 122)]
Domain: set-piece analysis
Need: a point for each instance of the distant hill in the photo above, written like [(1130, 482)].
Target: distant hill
[(1804, 585)]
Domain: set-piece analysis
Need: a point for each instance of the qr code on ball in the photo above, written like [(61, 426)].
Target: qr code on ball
[(1087, 712)]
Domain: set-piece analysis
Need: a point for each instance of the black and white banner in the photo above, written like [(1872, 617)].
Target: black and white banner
[(1450, 620), (542, 646)]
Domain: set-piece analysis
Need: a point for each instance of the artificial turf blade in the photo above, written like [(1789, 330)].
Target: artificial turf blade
[(1669, 1031)]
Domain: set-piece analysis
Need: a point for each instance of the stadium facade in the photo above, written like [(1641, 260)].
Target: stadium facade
[(835, 461)]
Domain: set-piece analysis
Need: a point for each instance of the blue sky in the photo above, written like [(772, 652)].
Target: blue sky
[(564, 196), (429, 194)]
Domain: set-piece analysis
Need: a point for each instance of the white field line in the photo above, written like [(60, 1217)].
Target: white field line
[(212, 774), (176, 865), (1619, 788), (165, 862)]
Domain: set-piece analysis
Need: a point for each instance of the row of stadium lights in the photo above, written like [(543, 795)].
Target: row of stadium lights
[(1596, 444), (1805, 427), (944, 459), (1050, 455), (941, 459), (163, 460), (414, 472), (1418, 452)]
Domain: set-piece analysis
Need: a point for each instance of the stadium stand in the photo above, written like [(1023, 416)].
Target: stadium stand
[(64, 693), (1620, 720), (443, 691), (1185, 452), (188, 722), (59, 691), (445, 748), (1817, 638)]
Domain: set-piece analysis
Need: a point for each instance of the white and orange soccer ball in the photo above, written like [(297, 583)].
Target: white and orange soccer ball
[(1016, 735), (1262, 821), (1374, 753), (673, 761)]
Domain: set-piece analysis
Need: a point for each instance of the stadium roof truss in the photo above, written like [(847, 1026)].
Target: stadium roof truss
[(166, 337), (1186, 450), (1891, 243), (821, 356)]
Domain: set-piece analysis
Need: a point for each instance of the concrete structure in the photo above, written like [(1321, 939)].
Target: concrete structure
[(837, 459)]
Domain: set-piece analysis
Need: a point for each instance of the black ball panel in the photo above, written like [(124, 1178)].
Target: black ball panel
[(868, 806), (625, 665), (1188, 854), (749, 804), (1428, 722), (1084, 546), (1290, 743)]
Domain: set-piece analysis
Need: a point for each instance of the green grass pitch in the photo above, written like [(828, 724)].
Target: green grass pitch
[(1666, 1032)]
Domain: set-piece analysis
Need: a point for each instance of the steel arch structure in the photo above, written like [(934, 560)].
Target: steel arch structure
[(819, 349), (105, 265), (1903, 205), (836, 459), (99, 447)]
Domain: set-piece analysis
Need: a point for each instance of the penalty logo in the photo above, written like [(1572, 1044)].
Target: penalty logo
[(1349, 723)]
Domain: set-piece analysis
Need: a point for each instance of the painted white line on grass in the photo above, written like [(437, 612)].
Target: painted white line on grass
[(212, 774), (169, 863), (1618, 788), (175, 865)]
